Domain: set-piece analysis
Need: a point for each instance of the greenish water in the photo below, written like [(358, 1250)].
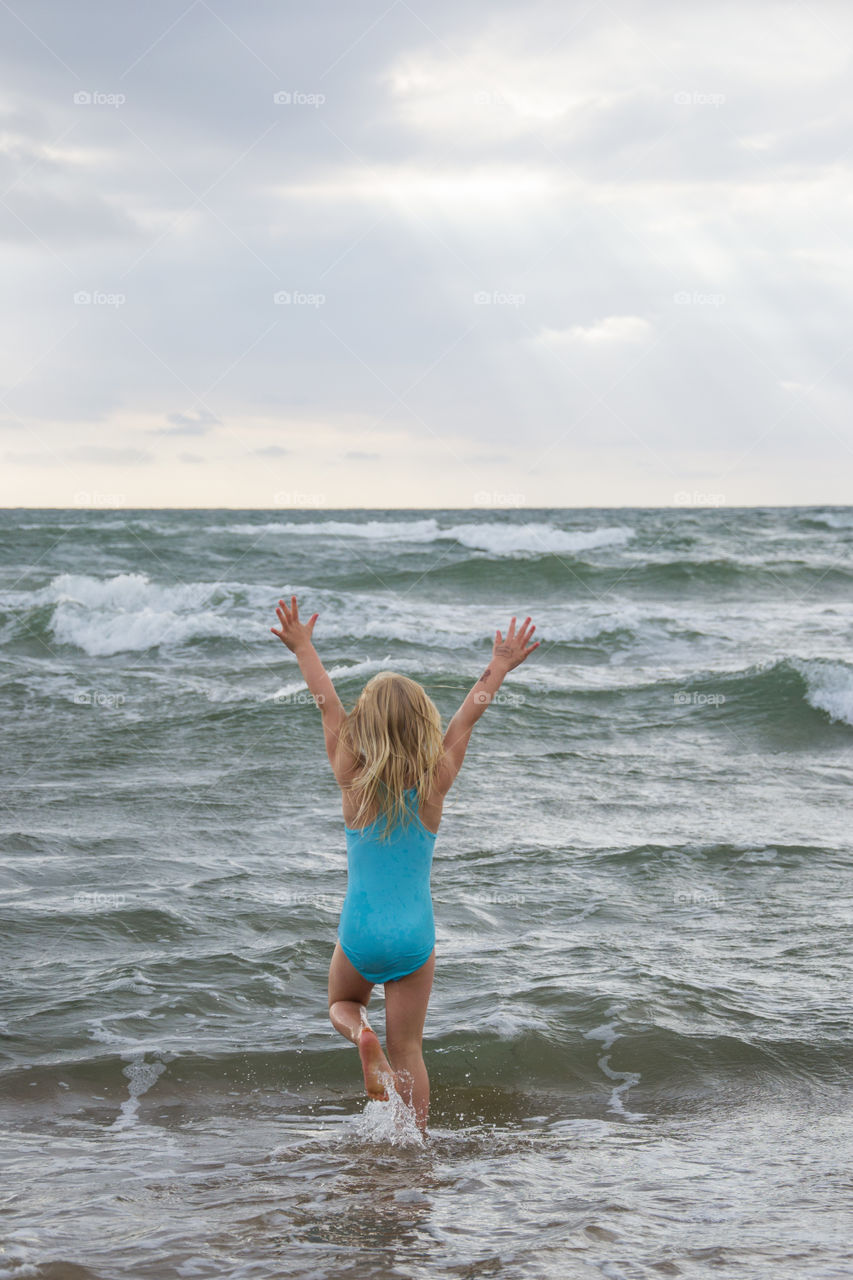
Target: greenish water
[(639, 1038)]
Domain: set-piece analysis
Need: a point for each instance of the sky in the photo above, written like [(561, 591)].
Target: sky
[(344, 254)]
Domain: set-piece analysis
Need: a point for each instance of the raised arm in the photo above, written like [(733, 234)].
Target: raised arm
[(297, 636), (506, 654)]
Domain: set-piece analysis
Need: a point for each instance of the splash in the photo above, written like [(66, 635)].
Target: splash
[(393, 1121)]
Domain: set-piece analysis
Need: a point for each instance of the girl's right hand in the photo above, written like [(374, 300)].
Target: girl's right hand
[(512, 651), (295, 634)]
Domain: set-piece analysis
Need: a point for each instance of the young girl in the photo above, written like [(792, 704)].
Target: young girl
[(394, 768)]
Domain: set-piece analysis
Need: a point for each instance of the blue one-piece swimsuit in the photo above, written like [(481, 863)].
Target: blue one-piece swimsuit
[(387, 929)]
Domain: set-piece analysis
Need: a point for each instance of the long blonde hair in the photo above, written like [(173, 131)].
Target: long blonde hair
[(394, 731)]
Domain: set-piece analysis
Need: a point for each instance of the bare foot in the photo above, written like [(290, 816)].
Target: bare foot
[(374, 1064)]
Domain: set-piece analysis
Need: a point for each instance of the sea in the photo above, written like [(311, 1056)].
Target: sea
[(639, 1038)]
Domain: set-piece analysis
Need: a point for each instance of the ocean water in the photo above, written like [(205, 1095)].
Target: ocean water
[(639, 1038)]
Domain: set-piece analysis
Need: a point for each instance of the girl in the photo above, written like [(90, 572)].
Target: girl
[(394, 768)]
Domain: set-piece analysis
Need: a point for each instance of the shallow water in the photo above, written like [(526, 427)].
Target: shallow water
[(639, 1039)]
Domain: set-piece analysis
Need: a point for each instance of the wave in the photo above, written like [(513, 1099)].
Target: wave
[(785, 692), (581, 1057), (129, 612), (835, 520), (492, 537), (577, 576), (104, 616), (829, 687), (786, 689), (109, 623), (713, 856)]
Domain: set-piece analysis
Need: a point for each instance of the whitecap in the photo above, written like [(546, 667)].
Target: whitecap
[(535, 539), (829, 687)]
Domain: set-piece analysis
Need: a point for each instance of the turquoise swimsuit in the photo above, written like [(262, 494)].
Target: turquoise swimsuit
[(386, 928)]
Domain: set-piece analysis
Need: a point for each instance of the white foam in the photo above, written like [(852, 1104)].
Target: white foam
[(500, 538), (128, 612), (829, 688), (103, 1034), (134, 982), (22, 1255), (356, 668), (103, 616), (834, 519), (535, 539), (608, 1035), (392, 1121), (373, 530), (142, 1075)]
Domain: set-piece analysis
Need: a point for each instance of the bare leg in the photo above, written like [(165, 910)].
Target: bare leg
[(349, 993), (406, 1002)]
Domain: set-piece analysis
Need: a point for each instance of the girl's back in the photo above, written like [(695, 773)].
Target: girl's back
[(386, 928)]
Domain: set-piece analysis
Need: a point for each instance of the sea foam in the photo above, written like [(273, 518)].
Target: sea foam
[(829, 687), (499, 538)]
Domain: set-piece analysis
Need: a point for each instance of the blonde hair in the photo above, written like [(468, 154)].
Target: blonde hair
[(394, 731)]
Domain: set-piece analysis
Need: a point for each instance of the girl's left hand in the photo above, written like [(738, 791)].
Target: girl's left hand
[(295, 634)]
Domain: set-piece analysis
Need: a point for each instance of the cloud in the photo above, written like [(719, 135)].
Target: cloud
[(97, 455), (105, 455), (581, 169), (194, 422), (612, 329)]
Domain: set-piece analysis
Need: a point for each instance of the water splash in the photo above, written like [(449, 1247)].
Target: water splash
[(392, 1121)]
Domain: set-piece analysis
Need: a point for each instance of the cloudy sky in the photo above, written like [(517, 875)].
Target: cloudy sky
[(403, 254)]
